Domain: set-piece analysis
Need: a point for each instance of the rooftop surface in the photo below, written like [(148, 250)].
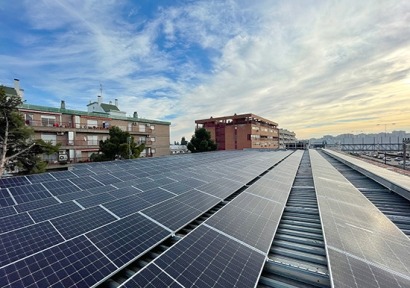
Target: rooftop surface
[(85, 226)]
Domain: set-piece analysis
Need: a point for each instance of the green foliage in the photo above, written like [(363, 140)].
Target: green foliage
[(120, 145), (16, 145), (201, 141), (183, 141)]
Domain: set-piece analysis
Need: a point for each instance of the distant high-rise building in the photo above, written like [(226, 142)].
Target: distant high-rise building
[(242, 131)]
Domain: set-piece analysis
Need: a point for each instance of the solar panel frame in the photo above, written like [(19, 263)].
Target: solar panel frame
[(27, 193), (151, 277), (6, 199), (95, 200), (7, 211), (36, 204), (127, 205)]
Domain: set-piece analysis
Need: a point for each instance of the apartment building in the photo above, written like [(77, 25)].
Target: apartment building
[(286, 138), (242, 131), (79, 132)]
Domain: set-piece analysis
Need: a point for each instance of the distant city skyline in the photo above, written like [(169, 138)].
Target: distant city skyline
[(314, 67)]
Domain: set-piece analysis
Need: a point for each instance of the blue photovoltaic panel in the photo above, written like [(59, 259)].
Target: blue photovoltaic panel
[(177, 188), (146, 185), (75, 263), (7, 211), (36, 204), (253, 220), (164, 181), (40, 178), (155, 195), (29, 193), (60, 175), (5, 198), (13, 182), (206, 258), (14, 222), (106, 178), (17, 244), (61, 187), (126, 206), (198, 200), (86, 182), (124, 192), (74, 195), (172, 213), (54, 211), (151, 277), (95, 200), (77, 223), (82, 172), (126, 239), (101, 189), (192, 182)]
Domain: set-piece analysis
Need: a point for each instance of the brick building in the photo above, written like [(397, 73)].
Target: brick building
[(238, 132), (79, 132)]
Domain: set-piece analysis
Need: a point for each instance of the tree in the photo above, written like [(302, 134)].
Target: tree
[(183, 141), (16, 145), (120, 145), (201, 141)]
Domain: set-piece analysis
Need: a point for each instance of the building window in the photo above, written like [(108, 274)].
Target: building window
[(29, 119), (48, 120), (141, 128)]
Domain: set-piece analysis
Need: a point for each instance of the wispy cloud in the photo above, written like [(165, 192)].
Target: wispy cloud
[(315, 67)]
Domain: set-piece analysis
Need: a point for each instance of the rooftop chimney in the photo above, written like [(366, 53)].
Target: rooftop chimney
[(116, 102), (62, 104), (99, 99), (17, 87), (135, 114)]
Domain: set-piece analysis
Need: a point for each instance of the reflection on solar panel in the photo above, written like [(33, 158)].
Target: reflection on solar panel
[(151, 277), (359, 237), (76, 228)]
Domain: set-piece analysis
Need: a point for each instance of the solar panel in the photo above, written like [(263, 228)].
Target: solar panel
[(29, 193), (126, 206), (124, 192), (54, 211), (77, 223), (40, 178), (61, 187), (206, 258), (177, 188), (356, 229), (155, 195), (198, 200), (17, 244), (7, 211), (35, 204), (14, 222), (151, 277), (75, 263), (60, 175), (172, 213), (102, 189), (125, 239), (106, 178), (95, 200), (5, 198), (251, 219), (74, 195), (146, 185), (13, 182)]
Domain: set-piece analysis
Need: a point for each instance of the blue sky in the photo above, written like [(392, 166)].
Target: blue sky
[(314, 67)]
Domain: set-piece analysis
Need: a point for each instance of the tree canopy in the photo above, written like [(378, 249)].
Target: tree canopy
[(120, 145), (183, 141), (201, 141), (17, 148)]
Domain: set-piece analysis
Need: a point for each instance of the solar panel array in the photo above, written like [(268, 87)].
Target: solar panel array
[(79, 227), (230, 248), (365, 249)]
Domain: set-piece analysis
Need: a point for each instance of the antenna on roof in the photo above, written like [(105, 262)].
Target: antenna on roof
[(100, 89)]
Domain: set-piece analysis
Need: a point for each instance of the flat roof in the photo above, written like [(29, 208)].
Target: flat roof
[(236, 116)]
